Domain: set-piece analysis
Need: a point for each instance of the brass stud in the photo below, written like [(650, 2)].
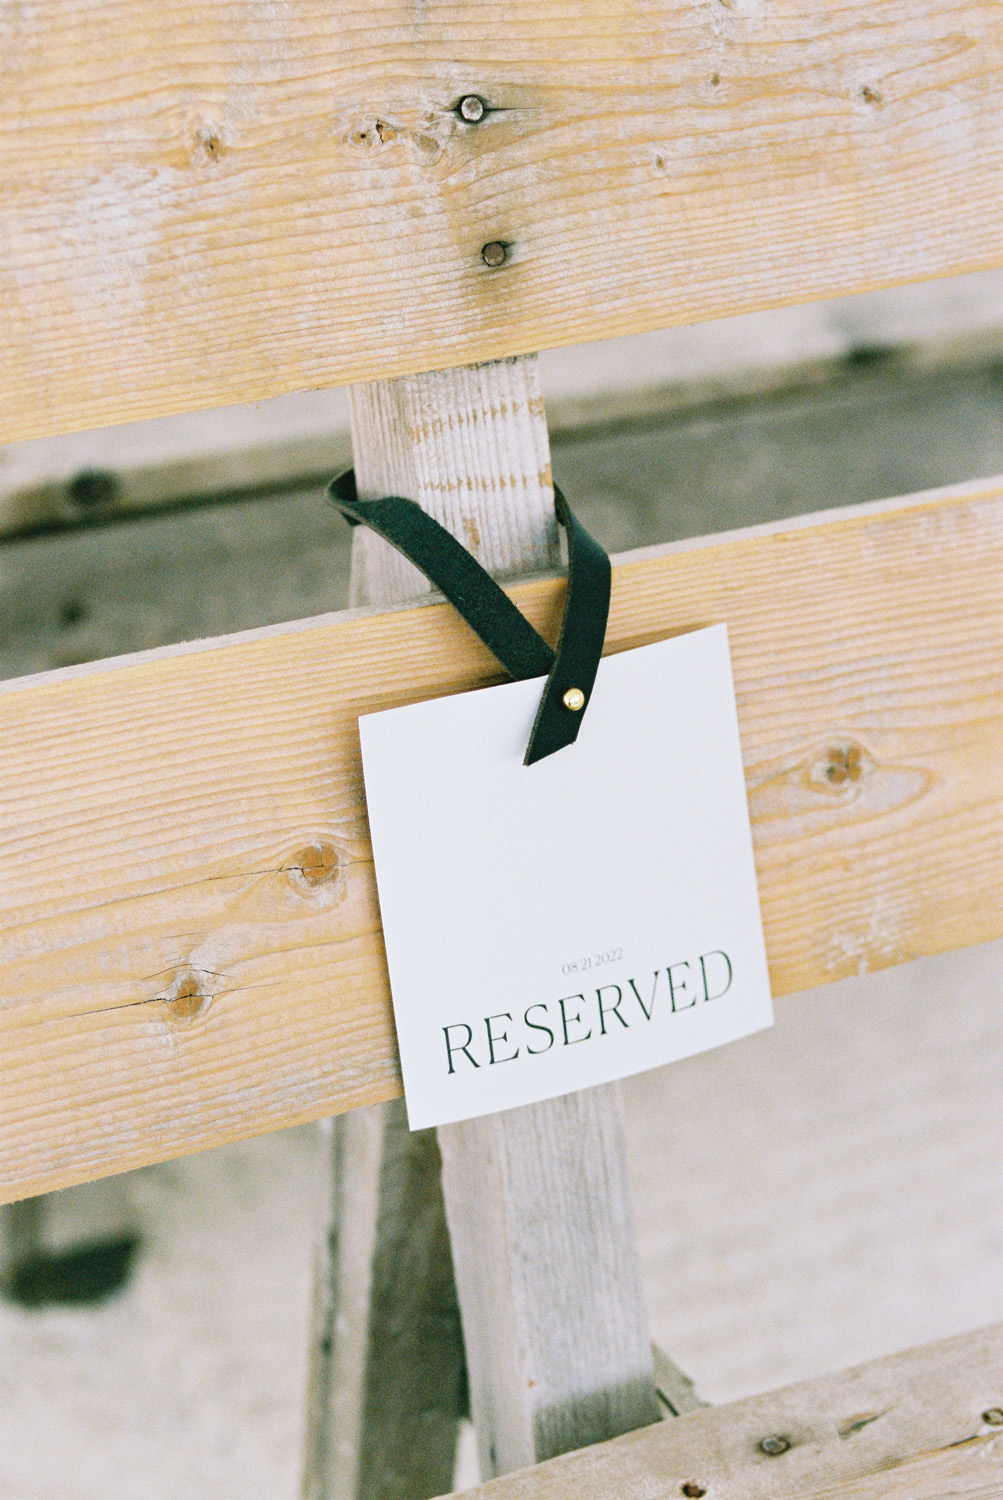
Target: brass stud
[(574, 699)]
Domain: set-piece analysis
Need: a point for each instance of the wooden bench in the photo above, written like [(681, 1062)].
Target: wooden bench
[(208, 207)]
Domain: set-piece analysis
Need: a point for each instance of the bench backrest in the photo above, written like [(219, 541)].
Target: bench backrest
[(203, 207)]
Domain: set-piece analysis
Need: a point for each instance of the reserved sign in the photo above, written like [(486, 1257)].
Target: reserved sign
[(565, 924)]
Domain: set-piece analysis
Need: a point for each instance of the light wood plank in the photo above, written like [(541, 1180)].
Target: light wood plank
[(191, 949), (204, 206), (909, 1427)]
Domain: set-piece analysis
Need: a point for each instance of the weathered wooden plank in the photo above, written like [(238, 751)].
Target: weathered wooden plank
[(388, 1358), (471, 446), (387, 1386), (208, 206), (676, 1390), (908, 1427), (549, 1278), (191, 949)]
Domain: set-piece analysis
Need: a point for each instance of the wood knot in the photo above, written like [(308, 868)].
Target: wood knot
[(835, 783), (210, 142), (427, 137), (374, 133), (316, 865), (845, 763), (188, 997)]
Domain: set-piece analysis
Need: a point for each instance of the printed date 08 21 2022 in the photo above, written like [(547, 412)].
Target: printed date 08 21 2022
[(592, 961)]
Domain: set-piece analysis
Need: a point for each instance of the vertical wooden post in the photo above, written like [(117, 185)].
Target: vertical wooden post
[(537, 1200), (549, 1280), (387, 1385), (471, 446)]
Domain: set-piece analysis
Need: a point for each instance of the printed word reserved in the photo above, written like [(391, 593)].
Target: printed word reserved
[(589, 1015), (515, 899)]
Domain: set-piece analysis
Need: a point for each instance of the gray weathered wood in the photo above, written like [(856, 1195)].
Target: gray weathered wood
[(214, 204), (471, 446), (676, 1391), (549, 1279), (556, 1361), (906, 1427), (387, 1382)]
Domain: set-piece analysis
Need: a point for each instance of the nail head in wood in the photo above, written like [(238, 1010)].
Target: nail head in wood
[(471, 108), (574, 699), (494, 253), (774, 1446), (994, 1416)]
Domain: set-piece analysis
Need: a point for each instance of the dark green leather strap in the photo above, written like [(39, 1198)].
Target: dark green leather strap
[(489, 611), (583, 630)]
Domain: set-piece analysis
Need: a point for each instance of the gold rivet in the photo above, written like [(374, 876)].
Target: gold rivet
[(574, 699)]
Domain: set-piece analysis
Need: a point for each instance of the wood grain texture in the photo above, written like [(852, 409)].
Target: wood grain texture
[(204, 206), (191, 949), (908, 1427), (554, 1362), (675, 1389), (471, 447), (549, 1277), (388, 1381)]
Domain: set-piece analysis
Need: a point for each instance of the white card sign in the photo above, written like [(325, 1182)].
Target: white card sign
[(561, 925)]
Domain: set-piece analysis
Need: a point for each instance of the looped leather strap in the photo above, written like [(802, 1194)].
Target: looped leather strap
[(489, 611)]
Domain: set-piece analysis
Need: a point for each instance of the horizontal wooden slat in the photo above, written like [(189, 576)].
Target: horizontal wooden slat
[(191, 949), (909, 1427), (204, 205)]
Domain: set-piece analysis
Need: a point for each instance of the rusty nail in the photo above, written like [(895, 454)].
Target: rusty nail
[(693, 1491), (494, 253), (994, 1416), (471, 108), (774, 1446)]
